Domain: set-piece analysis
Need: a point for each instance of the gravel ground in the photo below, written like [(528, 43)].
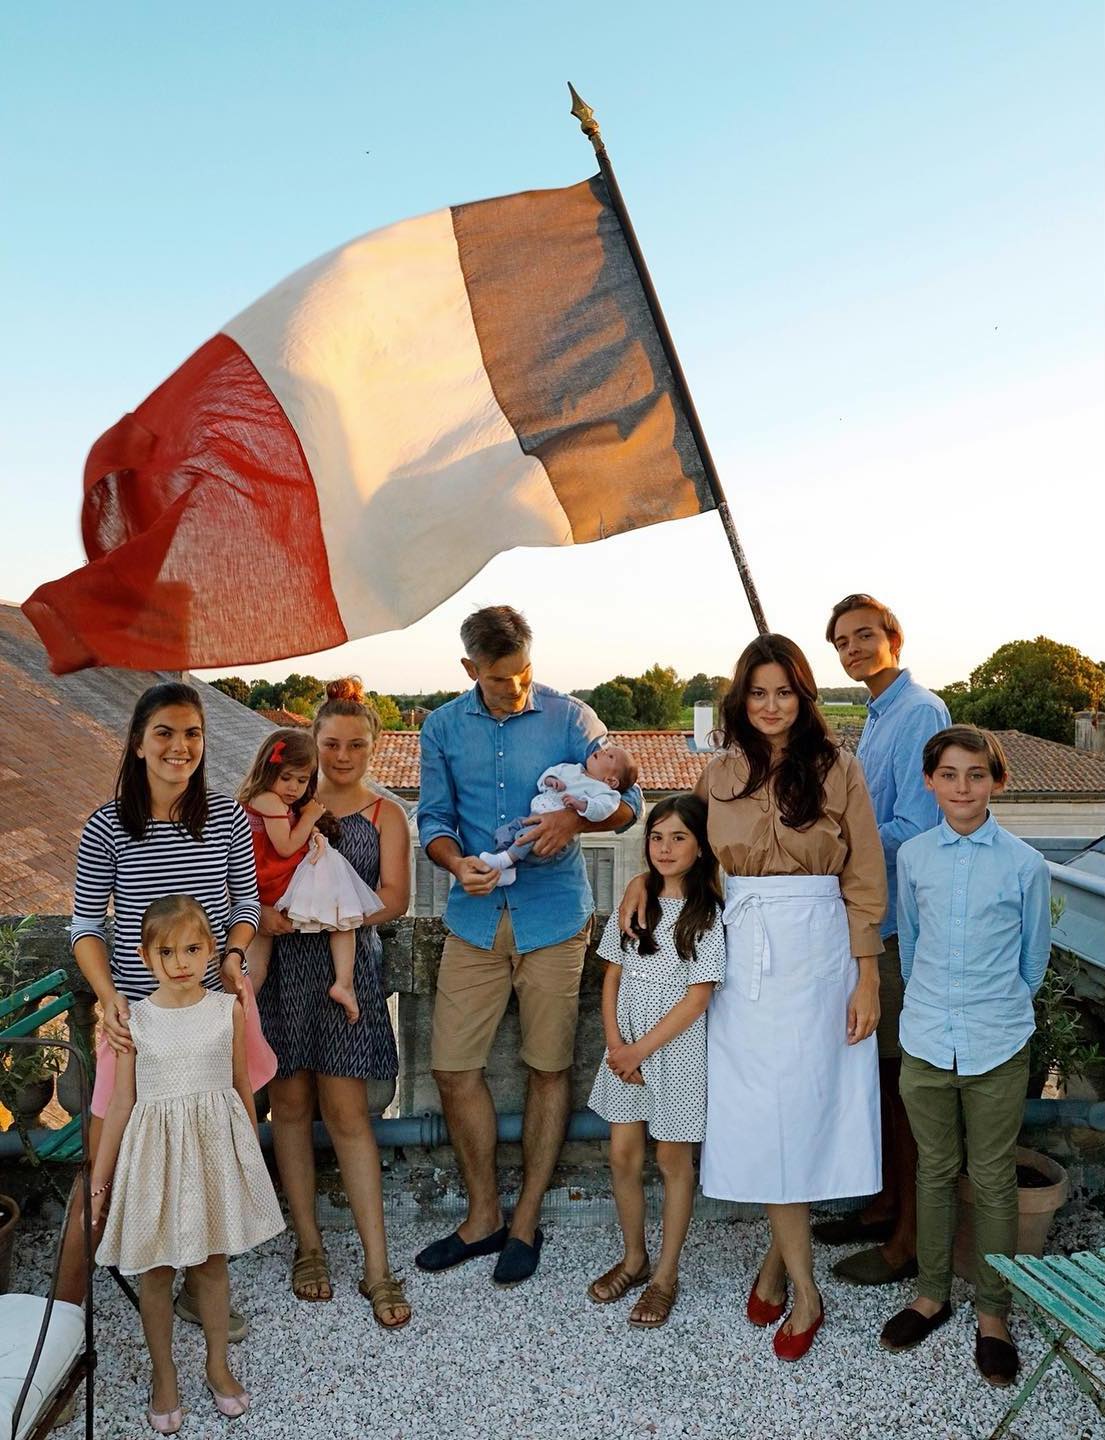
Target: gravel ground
[(540, 1362)]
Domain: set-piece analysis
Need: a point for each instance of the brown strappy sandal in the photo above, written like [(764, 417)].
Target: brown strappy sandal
[(657, 1303), (617, 1282), (386, 1294), (310, 1268)]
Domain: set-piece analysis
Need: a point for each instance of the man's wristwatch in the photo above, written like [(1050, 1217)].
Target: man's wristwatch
[(234, 950)]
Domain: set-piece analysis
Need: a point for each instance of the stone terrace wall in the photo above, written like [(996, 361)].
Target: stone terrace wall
[(412, 952)]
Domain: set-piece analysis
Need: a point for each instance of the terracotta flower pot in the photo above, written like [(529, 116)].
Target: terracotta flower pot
[(9, 1219), (1036, 1208)]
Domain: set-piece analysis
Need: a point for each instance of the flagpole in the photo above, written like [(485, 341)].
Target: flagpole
[(589, 125)]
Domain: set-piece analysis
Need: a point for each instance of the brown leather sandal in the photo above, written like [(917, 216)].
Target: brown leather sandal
[(656, 1303), (386, 1294), (310, 1268), (615, 1283)]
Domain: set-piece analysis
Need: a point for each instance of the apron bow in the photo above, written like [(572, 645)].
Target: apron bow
[(736, 908)]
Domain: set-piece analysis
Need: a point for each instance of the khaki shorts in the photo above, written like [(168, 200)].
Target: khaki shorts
[(891, 992), (473, 990)]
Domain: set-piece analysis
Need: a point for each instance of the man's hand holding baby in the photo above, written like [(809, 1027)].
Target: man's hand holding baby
[(552, 831)]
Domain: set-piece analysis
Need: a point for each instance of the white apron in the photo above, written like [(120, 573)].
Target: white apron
[(792, 1109)]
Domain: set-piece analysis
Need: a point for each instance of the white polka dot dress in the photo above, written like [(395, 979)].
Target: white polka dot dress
[(672, 1101)]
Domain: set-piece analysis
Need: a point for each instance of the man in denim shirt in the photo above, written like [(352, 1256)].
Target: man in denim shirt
[(481, 756), (901, 717)]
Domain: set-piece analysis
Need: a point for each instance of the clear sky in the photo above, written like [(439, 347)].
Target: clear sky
[(876, 229)]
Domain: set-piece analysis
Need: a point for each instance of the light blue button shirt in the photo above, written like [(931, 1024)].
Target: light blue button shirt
[(477, 772), (899, 721), (974, 935)]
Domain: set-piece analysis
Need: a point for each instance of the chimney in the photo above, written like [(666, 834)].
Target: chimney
[(1089, 732)]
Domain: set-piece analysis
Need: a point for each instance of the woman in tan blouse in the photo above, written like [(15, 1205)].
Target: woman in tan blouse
[(793, 1098)]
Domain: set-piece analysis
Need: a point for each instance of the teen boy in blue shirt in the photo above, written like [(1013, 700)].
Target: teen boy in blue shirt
[(974, 932), (901, 716)]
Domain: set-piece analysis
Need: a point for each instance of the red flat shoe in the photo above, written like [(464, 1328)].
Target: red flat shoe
[(795, 1345), (763, 1312)]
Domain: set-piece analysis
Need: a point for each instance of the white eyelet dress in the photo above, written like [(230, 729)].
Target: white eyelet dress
[(673, 1098), (794, 1109), (190, 1180)]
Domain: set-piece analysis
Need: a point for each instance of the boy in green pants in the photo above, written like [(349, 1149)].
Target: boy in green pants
[(974, 934)]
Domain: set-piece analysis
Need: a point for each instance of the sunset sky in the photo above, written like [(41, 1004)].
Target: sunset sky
[(876, 230)]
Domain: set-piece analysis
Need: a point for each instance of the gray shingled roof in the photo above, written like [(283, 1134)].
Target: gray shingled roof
[(60, 751)]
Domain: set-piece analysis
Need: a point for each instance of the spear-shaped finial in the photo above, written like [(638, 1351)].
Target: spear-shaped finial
[(587, 122)]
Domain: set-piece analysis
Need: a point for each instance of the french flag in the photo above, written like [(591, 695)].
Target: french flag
[(352, 448)]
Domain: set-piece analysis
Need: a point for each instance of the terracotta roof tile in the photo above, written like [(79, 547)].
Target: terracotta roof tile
[(395, 759), (1041, 769), (62, 736), (1038, 769), (284, 718)]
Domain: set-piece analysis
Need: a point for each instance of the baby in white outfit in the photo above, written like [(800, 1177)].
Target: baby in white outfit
[(594, 790)]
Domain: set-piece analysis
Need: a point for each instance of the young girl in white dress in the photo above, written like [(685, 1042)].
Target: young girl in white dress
[(297, 870), (179, 1170), (653, 1074)]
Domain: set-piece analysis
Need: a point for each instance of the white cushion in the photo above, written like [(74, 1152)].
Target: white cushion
[(20, 1322)]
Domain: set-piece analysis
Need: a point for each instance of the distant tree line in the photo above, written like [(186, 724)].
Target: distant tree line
[(843, 694), (1036, 686), (1032, 685), (300, 695), (656, 700), (425, 702)]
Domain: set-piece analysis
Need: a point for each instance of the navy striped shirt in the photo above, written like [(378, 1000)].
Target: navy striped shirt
[(217, 870)]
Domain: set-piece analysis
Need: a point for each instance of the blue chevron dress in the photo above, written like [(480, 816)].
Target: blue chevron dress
[(303, 1025)]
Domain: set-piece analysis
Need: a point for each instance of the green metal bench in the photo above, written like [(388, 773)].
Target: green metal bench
[(66, 1144), (1068, 1292), (63, 1144)]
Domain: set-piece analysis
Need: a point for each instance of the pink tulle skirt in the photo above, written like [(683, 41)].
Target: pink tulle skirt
[(260, 1059)]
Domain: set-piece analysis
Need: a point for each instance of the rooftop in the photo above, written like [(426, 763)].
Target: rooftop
[(62, 738), (1039, 769), (284, 718)]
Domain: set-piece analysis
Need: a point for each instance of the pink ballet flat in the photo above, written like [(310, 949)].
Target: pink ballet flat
[(230, 1406), (165, 1422)]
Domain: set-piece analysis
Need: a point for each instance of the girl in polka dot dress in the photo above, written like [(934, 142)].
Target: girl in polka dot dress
[(653, 1074)]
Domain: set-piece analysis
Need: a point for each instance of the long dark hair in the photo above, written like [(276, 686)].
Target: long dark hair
[(701, 886), (799, 775), (132, 785)]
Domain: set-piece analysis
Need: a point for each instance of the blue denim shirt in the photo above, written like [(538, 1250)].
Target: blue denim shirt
[(899, 721), (974, 934), (479, 771)]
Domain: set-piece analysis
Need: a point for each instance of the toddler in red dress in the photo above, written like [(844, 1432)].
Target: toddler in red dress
[(298, 872)]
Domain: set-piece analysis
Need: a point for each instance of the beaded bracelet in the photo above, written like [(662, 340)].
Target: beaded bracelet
[(100, 1190)]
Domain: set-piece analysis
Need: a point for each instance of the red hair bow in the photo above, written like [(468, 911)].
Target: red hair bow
[(276, 754)]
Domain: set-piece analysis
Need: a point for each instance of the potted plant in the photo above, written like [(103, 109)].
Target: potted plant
[(26, 1075), (1042, 1188), (1061, 1046)]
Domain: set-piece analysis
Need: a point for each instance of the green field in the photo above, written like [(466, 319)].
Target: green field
[(834, 714)]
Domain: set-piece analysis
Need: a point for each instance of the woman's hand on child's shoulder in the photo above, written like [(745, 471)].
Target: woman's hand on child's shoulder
[(115, 1013), (631, 912)]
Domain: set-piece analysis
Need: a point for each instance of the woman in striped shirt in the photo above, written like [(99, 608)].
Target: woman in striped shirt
[(163, 834)]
